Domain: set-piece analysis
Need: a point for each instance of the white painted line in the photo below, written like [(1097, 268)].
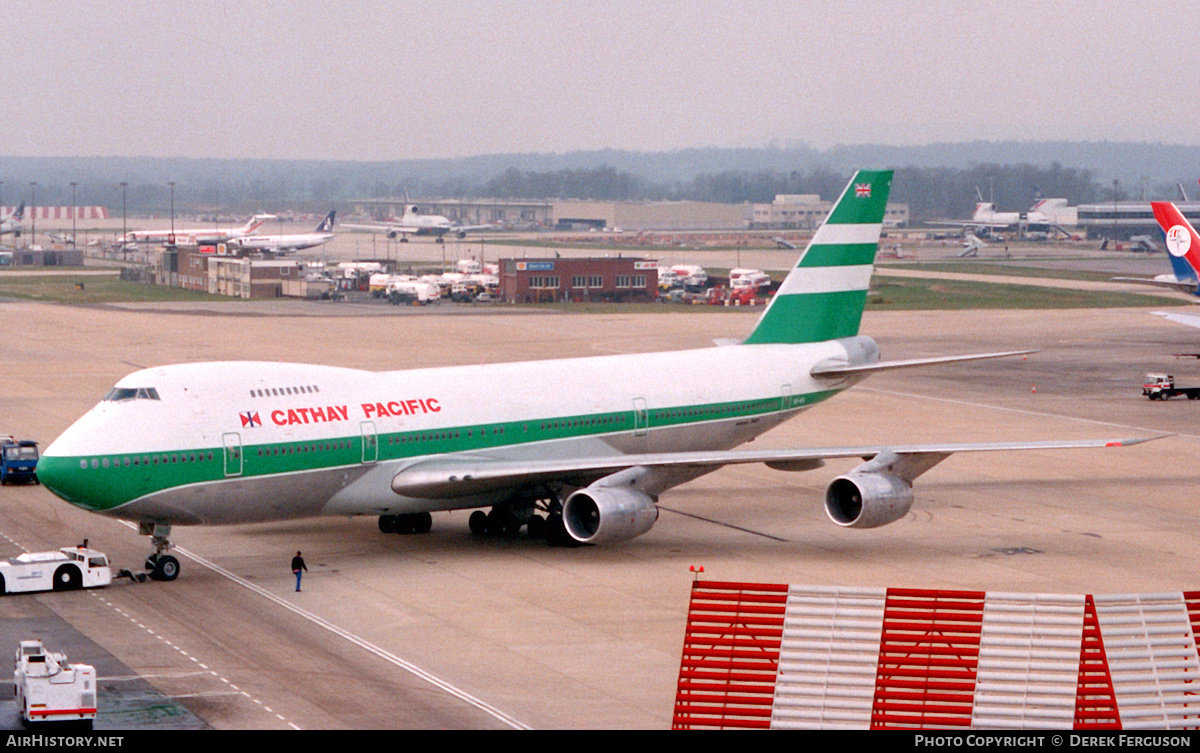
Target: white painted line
[(387, 656), (1022, 411)]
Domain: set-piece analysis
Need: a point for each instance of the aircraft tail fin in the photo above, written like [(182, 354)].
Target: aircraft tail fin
[(1182, 241), (255, 222), (19, 212), (326, 225), (823, 297)]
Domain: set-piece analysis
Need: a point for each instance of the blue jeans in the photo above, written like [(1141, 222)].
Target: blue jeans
[(298, 574)]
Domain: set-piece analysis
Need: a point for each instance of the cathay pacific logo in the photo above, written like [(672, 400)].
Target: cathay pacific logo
[(250, 419), (862, 190)]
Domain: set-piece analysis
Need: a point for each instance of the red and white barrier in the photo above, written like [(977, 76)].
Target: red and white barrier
[(782, 656), (58, 213)]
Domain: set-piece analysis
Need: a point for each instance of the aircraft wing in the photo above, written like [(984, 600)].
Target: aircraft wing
[(470, 228), (383, 227), (1185, 286), (464, 477), (842, 369), (971, 223), (1191, 320)]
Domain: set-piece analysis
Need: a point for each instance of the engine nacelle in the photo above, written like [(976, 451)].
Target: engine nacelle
[(867, 500), (598, 514)]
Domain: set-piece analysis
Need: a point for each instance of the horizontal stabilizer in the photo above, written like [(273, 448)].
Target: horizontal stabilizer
[(1186, 286), (467, 477), (1191, 320), (841, 370)]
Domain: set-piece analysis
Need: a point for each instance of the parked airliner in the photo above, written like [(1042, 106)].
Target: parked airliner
[(416, 222), (285, 244), (588, 443), (12, 223), (1183, 248), (196, 236)]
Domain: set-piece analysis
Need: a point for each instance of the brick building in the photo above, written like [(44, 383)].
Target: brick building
[(586, 279)]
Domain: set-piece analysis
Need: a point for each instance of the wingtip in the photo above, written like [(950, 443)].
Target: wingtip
[(1135, 440)]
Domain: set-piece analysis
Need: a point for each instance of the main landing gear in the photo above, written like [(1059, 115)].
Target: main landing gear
[(418, 522), (161, 566), (509, 518)]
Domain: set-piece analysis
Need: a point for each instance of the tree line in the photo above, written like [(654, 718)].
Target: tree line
[(930, 193), (232, 188)]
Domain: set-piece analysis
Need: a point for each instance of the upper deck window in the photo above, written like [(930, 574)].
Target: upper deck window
[(117, 394)]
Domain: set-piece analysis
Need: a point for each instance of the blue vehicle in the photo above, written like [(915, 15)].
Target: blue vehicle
[(18, 460)]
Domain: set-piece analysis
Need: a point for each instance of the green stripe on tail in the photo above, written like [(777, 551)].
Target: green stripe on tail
[(823, 296)]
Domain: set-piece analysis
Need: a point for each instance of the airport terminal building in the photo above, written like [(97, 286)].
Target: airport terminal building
[(571, 214), (1125, 219), (787, 211)]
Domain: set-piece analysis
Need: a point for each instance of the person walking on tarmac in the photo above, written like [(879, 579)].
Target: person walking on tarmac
[(298, 567)]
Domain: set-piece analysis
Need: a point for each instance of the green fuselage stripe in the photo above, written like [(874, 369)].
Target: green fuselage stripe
[(103, 482)]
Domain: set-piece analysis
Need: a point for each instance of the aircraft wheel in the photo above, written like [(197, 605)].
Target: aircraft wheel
[(556, 532), (536, 527), (387, 523), (478, 522), (2, 591), (67, 578), (422, 522), (166, 568)]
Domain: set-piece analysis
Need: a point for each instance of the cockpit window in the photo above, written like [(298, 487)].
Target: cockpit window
[(117, 394)]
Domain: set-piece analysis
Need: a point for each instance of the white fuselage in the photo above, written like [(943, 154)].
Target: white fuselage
[(239, 442), (194, 236), (282, 243)]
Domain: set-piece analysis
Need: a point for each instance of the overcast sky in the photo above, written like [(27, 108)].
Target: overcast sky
[(445, 78)]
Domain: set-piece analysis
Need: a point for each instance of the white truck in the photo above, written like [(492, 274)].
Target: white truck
[(49, 689), (64, 569)]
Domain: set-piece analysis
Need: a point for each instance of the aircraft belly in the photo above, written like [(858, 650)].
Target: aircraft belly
[(243, 500)]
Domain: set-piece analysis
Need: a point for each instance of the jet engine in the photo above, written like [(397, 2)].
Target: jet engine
[(867, 500), (598, 514)]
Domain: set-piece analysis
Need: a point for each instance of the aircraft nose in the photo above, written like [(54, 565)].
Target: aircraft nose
[(60, 475)]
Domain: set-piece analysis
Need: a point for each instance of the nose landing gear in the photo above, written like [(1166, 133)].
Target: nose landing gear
[(160, 565)]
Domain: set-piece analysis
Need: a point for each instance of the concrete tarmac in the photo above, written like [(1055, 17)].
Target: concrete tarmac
[(448, 630)]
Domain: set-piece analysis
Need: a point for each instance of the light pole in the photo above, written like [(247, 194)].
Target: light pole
[(1116, 186), (172, 185), (124, 233), (72, 214), (32, 212)]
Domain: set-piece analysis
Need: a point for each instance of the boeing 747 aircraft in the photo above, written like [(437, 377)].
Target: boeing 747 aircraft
[(577, 450)]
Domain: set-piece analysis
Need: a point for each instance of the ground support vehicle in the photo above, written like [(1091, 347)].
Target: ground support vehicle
[(50, 689), (1163, 387), (18, 460), (64, 569)]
